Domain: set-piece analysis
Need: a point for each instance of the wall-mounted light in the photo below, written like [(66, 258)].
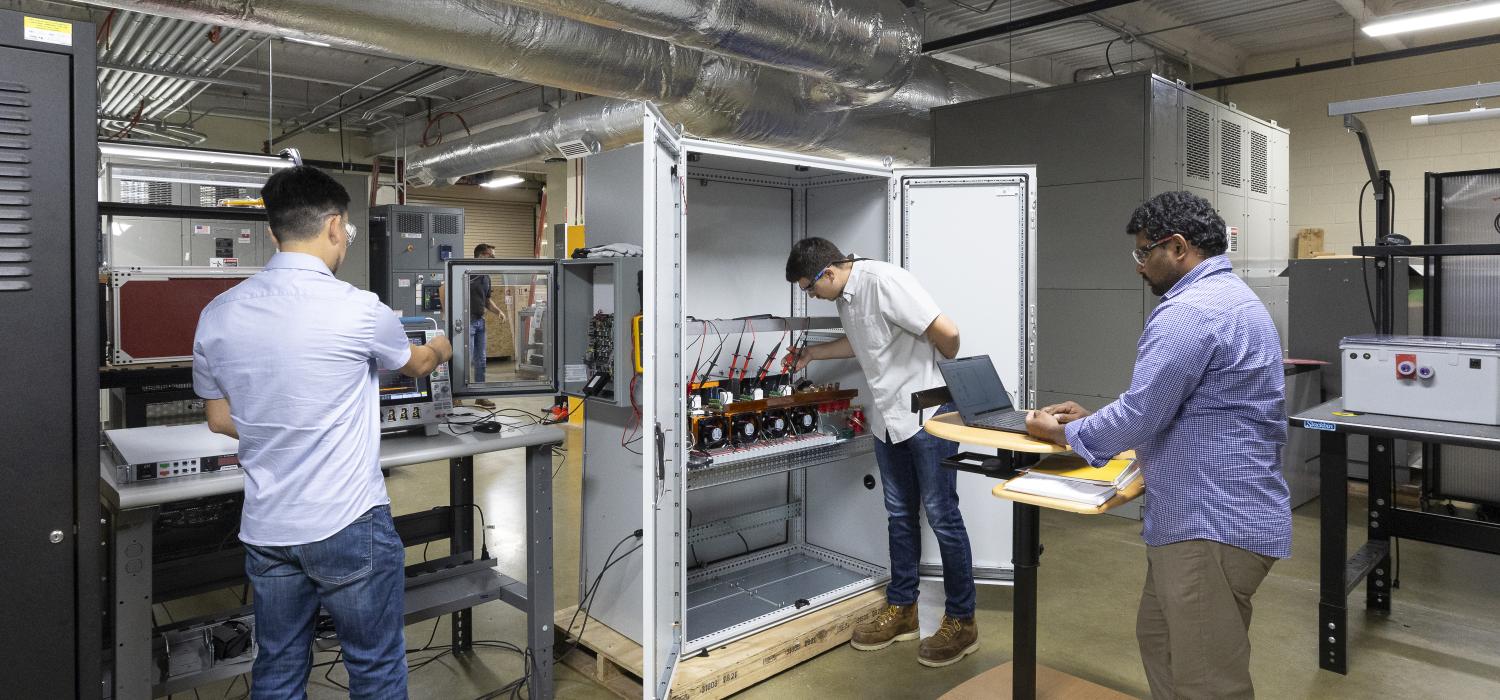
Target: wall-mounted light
[(190, 155), (502, 181), (1472, 115), (1432, 19)]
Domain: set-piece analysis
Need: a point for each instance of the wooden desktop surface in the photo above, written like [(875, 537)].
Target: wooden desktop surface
[(949, 426)]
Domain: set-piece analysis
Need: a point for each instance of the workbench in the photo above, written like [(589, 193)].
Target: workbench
[(451, 585)]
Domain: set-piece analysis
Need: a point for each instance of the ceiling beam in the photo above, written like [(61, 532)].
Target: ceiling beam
[(1189, 43), (999, 30), (1363, 13)]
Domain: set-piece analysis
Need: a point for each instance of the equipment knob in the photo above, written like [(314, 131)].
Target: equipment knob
[(1425, 372), (1405, 368)]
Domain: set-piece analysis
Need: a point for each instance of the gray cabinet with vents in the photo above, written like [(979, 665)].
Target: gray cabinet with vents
[(1101, 148), (409, 247)]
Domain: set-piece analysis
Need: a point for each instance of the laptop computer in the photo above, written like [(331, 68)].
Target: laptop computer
[(980, 396)]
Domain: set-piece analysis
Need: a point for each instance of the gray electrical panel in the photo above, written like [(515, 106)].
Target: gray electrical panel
[(49, 308), (409, 247), (600, 299), (1102, 148)]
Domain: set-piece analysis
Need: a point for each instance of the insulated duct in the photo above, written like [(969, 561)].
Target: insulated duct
[(711, 96), (868, 49)]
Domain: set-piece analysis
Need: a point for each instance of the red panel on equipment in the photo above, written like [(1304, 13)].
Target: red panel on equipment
[(158, 317)]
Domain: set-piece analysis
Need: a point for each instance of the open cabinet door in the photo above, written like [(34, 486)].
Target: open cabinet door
[(664, 451), (969, 236), (527, 291)]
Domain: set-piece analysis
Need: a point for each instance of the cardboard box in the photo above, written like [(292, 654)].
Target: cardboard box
[(1309, 243)]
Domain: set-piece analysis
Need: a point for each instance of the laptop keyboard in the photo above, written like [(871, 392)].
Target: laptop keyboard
[(1007, 420)]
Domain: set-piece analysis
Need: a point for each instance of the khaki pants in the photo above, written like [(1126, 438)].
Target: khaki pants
[(1194, 621)]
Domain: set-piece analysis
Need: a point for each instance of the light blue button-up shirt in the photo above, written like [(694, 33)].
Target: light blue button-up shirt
[(295, 351), (1205, 414)]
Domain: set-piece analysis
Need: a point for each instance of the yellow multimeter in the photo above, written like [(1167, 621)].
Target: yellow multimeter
[(635, 332)]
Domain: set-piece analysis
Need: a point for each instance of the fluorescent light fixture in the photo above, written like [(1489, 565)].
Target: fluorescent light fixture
[(178, 155), (309, 42), (502, 181), (1472, 115), (1431, 19)]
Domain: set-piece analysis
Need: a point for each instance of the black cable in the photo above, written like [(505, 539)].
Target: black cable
[(742, 541), (1108, 62), (484, 540), (586, 604), (1364, 261)]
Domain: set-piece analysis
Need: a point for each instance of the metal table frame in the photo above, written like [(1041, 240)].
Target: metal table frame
[(1372, 561), (452, 585)]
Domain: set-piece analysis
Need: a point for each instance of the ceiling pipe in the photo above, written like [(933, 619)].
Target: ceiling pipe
[(712, 96), (867, 49), (377, 96)]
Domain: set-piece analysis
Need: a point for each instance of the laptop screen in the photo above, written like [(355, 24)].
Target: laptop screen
[(975, 386)]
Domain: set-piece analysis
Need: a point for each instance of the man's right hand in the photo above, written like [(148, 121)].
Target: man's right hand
[(1067, 412), (797, 359), (442, 347)]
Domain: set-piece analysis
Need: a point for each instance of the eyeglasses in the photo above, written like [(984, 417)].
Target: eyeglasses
[(1140, 254), (808, 288)]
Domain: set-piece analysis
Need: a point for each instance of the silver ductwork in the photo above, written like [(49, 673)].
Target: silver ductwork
[(868, 49), (711, 96)]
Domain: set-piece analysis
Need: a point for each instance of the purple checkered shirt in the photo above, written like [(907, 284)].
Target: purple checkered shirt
[(1205, 415)]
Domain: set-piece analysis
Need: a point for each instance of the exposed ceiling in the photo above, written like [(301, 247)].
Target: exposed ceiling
[(159, 78)]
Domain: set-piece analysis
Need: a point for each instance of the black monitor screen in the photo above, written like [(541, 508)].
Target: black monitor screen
[(974, 384), (397, 388)]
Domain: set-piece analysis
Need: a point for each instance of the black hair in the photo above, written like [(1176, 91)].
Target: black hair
[(1181, 212), (809, 256), (480, 249), (299, 199)]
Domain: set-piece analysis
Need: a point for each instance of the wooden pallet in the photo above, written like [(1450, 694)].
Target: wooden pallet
[(614, 661)]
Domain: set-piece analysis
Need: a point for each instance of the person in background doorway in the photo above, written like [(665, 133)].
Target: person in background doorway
[(896, 332), (287, 362), (1205, 415), (481, 300)]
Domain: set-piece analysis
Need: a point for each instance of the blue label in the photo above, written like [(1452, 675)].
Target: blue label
[(1319, 425)]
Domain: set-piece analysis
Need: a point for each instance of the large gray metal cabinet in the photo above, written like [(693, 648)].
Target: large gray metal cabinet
[(49, 516), (1101, 148), (748, 542), (410, 246), (173, 241)]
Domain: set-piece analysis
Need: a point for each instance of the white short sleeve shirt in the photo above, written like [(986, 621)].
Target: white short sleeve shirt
[(295, 351), (885, 314)]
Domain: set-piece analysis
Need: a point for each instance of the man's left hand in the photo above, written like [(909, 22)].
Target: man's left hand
[(1044, 426)]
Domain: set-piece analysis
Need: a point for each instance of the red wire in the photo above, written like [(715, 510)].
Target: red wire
[(438, 118), (125, 131)]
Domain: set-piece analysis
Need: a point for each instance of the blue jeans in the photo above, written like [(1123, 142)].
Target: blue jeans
[(912, 478), (477, 348), (357, 575)]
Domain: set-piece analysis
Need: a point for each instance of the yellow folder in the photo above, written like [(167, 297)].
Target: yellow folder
[(1071, 466)]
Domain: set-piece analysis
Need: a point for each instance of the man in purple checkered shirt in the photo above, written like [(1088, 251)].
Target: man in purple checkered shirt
[(1205, 415)]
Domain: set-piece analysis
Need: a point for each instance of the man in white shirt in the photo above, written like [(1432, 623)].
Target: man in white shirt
[(894, 329), (287, 363)]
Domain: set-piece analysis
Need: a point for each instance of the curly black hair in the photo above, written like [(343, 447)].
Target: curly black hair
[(1185, 213)]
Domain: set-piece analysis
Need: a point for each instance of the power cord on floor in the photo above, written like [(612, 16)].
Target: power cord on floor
[(586, 605)]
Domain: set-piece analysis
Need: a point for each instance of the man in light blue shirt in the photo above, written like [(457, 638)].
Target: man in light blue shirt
[(1206, 418), (287, 362)]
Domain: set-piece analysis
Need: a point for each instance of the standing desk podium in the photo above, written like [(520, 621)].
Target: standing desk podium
[(1022, 670)]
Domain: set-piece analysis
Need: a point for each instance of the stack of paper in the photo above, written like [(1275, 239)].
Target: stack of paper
[(1069, 478)]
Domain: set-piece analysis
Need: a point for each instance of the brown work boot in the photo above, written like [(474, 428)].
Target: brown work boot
[(953, 640), (897, 623)]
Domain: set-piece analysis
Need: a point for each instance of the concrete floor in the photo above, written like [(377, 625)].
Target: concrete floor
[(1442, 638)]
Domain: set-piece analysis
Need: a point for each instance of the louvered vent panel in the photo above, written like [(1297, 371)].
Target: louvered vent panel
[(1258, 170), (15, 187), (1199, 143), (211, 195), (1229, 154), (408, 222), (445, 224), (145, 192)]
